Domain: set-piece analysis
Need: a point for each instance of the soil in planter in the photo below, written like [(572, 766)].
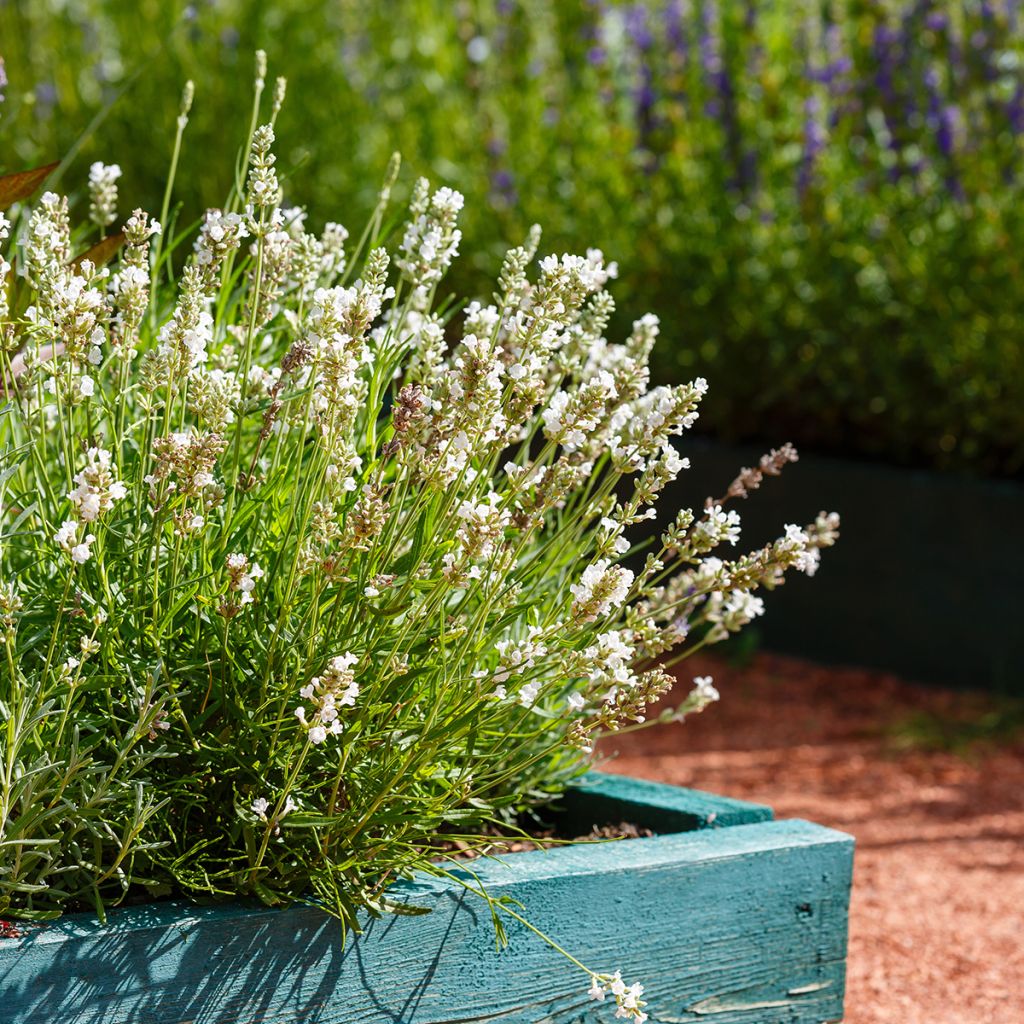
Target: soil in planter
[(534, 837)]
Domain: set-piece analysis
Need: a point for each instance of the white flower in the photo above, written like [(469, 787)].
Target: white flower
[(575, 701), (627, 998), (808, 561), (81, 553), (431, 238), (715, 527), (704, 691), (481, 531), (528, 694), (569, 418), (66, 534), (98, 487), (795, 535), (602, 587), (517, 656), (335, 688), (261, 805), (220, 234), (242, 576), (103, 192), (65, 538)]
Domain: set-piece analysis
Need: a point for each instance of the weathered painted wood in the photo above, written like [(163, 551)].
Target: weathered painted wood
[(738, 925), (600, 798)]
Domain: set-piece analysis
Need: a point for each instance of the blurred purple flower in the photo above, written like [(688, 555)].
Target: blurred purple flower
[(675, 32), (635, 21), (883, 50), (644, 96), (503, 187), (813, 144), (1015, 109), (721, 103), (943, 120), (950, 120), (710, 59), (46, 99)]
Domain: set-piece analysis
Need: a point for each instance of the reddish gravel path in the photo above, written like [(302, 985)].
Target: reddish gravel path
[(937, 917)]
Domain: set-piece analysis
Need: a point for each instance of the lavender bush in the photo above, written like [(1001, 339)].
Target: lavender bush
[(307, 572)]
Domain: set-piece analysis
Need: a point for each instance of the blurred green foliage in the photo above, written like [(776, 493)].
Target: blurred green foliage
[(999, 725), (821, 200)]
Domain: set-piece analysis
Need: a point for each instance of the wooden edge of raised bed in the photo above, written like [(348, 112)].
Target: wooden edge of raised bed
[(616, 857), (746, 923), (601, 798)]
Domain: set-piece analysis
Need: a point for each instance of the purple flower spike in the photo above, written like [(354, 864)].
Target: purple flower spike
[(636, 27)]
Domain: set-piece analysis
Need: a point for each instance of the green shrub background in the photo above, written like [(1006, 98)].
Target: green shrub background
[(822, 201)]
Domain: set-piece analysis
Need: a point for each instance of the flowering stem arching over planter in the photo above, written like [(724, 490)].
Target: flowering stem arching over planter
[(307, 575)]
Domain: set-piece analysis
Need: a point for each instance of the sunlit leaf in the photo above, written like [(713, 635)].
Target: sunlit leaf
[(21, 184)]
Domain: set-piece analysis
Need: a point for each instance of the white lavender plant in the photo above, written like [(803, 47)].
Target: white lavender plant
[(303, 571)]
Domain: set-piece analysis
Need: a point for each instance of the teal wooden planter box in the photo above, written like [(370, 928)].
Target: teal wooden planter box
[(726, 916)]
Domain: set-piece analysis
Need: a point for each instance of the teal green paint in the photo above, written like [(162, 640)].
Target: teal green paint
[(743, 924), (601, 798)]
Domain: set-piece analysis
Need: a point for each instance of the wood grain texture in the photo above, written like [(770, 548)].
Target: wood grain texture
[(737, 925)]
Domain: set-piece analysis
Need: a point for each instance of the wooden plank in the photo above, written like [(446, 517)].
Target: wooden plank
[(739, 925), (600, 798)]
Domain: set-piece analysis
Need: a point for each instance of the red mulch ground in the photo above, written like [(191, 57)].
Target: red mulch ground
[(937, 916)]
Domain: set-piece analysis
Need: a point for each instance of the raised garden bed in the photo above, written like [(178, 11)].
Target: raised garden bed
[(725, 915), (924, 581)]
